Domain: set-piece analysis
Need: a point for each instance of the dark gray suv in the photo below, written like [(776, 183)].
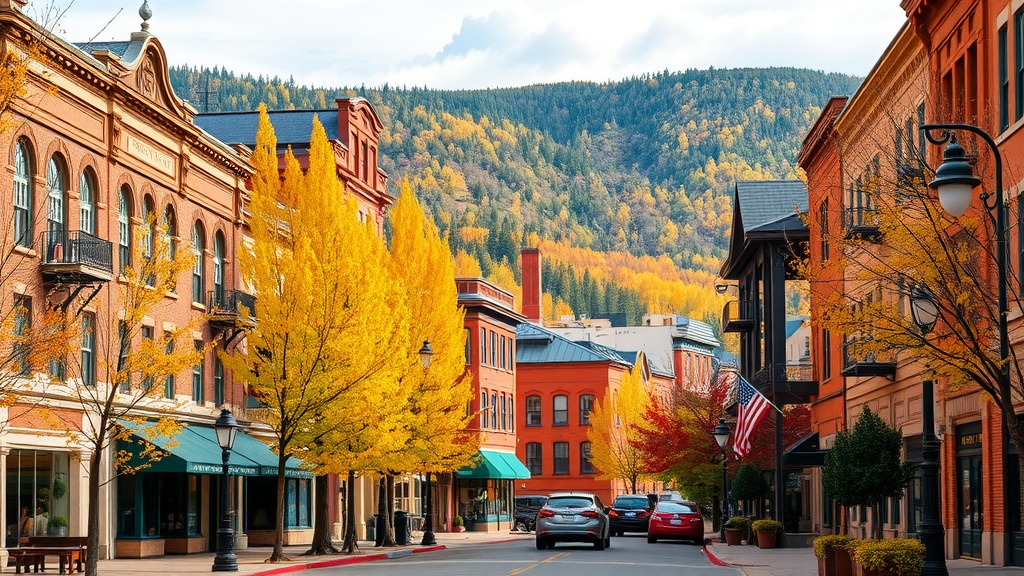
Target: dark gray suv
[(525, 512), (573, 517)]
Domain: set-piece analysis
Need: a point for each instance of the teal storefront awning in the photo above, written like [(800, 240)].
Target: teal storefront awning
[(194, 450), (494, 464)]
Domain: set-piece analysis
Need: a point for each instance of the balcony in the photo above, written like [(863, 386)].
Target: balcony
[(857, 362), (738, 316), (75, 257), (231, 309), (861, 222)]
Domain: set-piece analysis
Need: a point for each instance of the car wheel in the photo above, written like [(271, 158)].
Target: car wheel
[(541, 544), (608, 541), (521, 526), (651, 539), (599, 544)]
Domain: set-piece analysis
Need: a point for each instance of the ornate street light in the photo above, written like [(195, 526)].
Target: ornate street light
[(923, 309), (225, 561), (426, 355), (955, 182), (722, 437)]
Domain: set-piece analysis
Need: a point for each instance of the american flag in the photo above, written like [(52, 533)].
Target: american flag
[(752, 408)]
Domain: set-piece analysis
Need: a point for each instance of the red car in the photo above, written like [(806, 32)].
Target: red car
[(676, 521)]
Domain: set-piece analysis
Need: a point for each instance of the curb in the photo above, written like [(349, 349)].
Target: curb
[(712, 558), (346, 561)]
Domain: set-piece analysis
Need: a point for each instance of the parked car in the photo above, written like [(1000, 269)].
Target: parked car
[(573, 517), (630, 513), (525, 512), (676, 521)]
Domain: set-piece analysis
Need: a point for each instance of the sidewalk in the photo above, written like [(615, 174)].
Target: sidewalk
[(251, 561), (754, 561)]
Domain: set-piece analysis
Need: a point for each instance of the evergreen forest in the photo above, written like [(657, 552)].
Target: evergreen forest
[(625, 186)]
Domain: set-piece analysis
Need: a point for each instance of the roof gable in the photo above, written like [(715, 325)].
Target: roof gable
[(535, 345)]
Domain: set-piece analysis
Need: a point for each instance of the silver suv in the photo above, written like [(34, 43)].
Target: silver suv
[(573, 517)]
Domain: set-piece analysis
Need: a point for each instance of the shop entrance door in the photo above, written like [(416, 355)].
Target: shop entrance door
[(969, 505)]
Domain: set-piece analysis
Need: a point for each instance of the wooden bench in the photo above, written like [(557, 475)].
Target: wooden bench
[(24, 559), (78, 542), (70, 556)]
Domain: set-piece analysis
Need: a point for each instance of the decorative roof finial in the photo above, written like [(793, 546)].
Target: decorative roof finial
[(146, 13)]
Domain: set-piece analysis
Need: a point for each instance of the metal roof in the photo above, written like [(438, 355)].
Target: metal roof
[(535, 345), (771, 205), (290, 126)]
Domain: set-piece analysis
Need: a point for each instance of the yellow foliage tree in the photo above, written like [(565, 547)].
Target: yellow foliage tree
[(324, 300), (614, 429), (439, 392)]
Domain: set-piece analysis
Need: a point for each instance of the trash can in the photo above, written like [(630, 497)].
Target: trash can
[(381, 529), (402, 528), (371, 528)]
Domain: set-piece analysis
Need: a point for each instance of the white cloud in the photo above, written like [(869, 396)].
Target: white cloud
[(488, 43)]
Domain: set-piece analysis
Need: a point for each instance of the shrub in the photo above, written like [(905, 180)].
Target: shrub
[(901, 556), (824, 545), (58, 522), (767, 524), (457, 521), (740, 522)]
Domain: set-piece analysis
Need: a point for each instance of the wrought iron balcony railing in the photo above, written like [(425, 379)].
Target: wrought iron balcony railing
[(738, 316), (859, 362), (74, 253)]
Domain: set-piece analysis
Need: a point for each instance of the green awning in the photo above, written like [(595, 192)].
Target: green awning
[(195, 451), (494, 464)]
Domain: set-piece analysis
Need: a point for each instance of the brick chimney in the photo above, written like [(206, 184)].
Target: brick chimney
[(532, 292)]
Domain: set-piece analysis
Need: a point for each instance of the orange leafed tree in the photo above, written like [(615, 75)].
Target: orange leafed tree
[(615, 428)]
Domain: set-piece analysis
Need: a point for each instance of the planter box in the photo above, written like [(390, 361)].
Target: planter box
[(766, 538), (733, 536), (843, 562)]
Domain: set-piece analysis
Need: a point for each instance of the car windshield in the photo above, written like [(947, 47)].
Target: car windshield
[(675, 508), (631, 502), (570, 502)]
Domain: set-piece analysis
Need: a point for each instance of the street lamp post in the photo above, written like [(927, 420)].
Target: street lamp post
[(722, 436), (955, 181), (925, 313), (225, 561), (426, 354)]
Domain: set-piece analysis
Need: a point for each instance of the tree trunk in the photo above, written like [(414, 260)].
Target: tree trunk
[(383, 536), (322, 543), (391, 509), (351, 543), (278, 554), (92, 555)]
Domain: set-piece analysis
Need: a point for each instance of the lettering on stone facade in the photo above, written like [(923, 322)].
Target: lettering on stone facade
[(150, 155)]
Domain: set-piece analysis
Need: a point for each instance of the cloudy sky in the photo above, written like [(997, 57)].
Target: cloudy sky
[(494, 43)]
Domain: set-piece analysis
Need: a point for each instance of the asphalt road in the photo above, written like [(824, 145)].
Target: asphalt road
[(627, 556)]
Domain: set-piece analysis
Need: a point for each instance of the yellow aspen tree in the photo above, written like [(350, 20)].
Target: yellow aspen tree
[(439, 393), (615, 430), (326, 307)]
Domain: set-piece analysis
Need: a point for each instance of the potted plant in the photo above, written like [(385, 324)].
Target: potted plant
[(736, 530), (58, 526), (457, 524), (891, 557), (767, 531), (829, 562)]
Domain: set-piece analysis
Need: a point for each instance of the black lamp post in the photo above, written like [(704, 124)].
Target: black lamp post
[(955, 181), (225, 561), (426, 354), (925, 312), (722, 436)]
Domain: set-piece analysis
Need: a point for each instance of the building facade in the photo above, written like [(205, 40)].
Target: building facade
[(98, 146)]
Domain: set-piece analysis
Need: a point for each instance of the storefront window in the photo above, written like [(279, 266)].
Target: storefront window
[(37, 492), (261, 502)]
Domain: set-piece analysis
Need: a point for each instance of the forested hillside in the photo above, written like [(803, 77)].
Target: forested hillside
[(628, 183)]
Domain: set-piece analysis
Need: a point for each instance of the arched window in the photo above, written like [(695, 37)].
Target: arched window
[(22, 194), (56, 204), (149, 221), (586, 406), (561, 411), (198, 279), (533, 411), (218, 268), (170, 230), (87, 202), (124, 227)]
